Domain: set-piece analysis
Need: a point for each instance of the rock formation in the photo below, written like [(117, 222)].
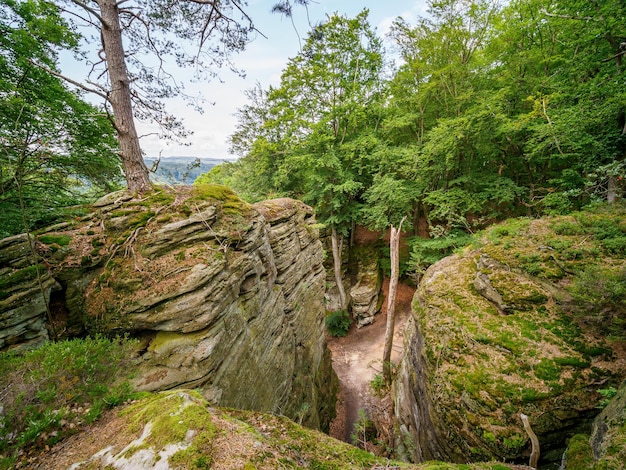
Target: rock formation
[(494, 334), (224, 296), (364, 294), (25, 287)]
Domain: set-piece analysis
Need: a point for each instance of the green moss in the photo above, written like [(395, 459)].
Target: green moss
[(141, 219), (579, 455), (23, 275), (547, 369), (172, 415), (572, 362), (61, 240)]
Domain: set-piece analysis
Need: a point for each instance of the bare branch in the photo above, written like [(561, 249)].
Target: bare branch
[(87, 8), (571, 17), (69, 80)]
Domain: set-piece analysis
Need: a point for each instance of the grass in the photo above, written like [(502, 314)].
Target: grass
[(49, 391)]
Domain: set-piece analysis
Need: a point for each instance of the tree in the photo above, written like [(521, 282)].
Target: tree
[(388, 201), (394, 250), (52, 142), (313, 134), (334, 87), (136, 39)]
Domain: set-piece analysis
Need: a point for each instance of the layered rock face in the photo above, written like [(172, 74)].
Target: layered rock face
[(365, 293), (495, 333), (224, 296), (25, 288)]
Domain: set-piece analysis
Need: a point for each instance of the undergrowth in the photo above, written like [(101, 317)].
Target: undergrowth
[(338, 323), (48, 392)]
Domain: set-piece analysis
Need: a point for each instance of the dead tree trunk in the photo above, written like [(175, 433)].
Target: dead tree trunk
[(394, 249), (337, 246), (135, 170)]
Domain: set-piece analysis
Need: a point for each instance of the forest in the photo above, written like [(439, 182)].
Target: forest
[(493, 110), (489, 109), (480, 110)]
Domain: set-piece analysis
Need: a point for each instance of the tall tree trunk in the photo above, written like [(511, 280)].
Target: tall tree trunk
[(337, 246), (135, 170), (394, 249)]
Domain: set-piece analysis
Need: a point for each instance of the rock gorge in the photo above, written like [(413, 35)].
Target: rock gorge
[(229, 299), (224, 296)]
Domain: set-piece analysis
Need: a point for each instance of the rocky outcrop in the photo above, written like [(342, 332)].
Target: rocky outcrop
[(181, 430), (364, 294), (224, 296), (25, 287), (495, 334), (609, 431)]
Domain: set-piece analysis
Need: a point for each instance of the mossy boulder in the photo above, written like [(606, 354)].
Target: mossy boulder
[(523, 341)]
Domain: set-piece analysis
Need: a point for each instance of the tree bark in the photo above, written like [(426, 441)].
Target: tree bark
[(337, 245), (394, 249), (535, 452), (612, 189), (135, 170)]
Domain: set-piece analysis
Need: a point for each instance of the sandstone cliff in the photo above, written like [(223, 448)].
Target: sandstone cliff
[(225, 297), (529, 320)]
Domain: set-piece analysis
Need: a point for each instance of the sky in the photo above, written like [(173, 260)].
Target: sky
[(263, 61)]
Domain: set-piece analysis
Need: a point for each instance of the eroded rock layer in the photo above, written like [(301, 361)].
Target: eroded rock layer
[(224, 296)]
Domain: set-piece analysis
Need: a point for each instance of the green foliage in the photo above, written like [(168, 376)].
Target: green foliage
[(425, 252), (603, 288), (338, 323), (57, 150), (50, 390), (607, 394), (364, 430), (379, 385)]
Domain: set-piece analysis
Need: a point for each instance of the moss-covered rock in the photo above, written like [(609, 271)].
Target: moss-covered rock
[(226, 297), (25, 288), (523, 341), (179, 429)]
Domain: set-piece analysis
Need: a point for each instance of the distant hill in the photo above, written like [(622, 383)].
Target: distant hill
[(180, 170)]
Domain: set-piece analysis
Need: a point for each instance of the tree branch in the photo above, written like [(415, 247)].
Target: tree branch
[(570, 17), (87, 8), (69, 80)]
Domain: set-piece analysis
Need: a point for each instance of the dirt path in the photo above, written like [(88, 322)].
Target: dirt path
[(357, 359)]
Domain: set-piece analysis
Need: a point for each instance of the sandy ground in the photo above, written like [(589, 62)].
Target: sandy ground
[(357, 358)]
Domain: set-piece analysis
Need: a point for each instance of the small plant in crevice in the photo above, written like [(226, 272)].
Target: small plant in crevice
[(364, 431), (338, 323), (608, 394), (379, 386)]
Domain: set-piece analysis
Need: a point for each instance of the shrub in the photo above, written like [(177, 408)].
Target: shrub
[(604, 287), (425, 252), (338, 323), (379, 386)]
